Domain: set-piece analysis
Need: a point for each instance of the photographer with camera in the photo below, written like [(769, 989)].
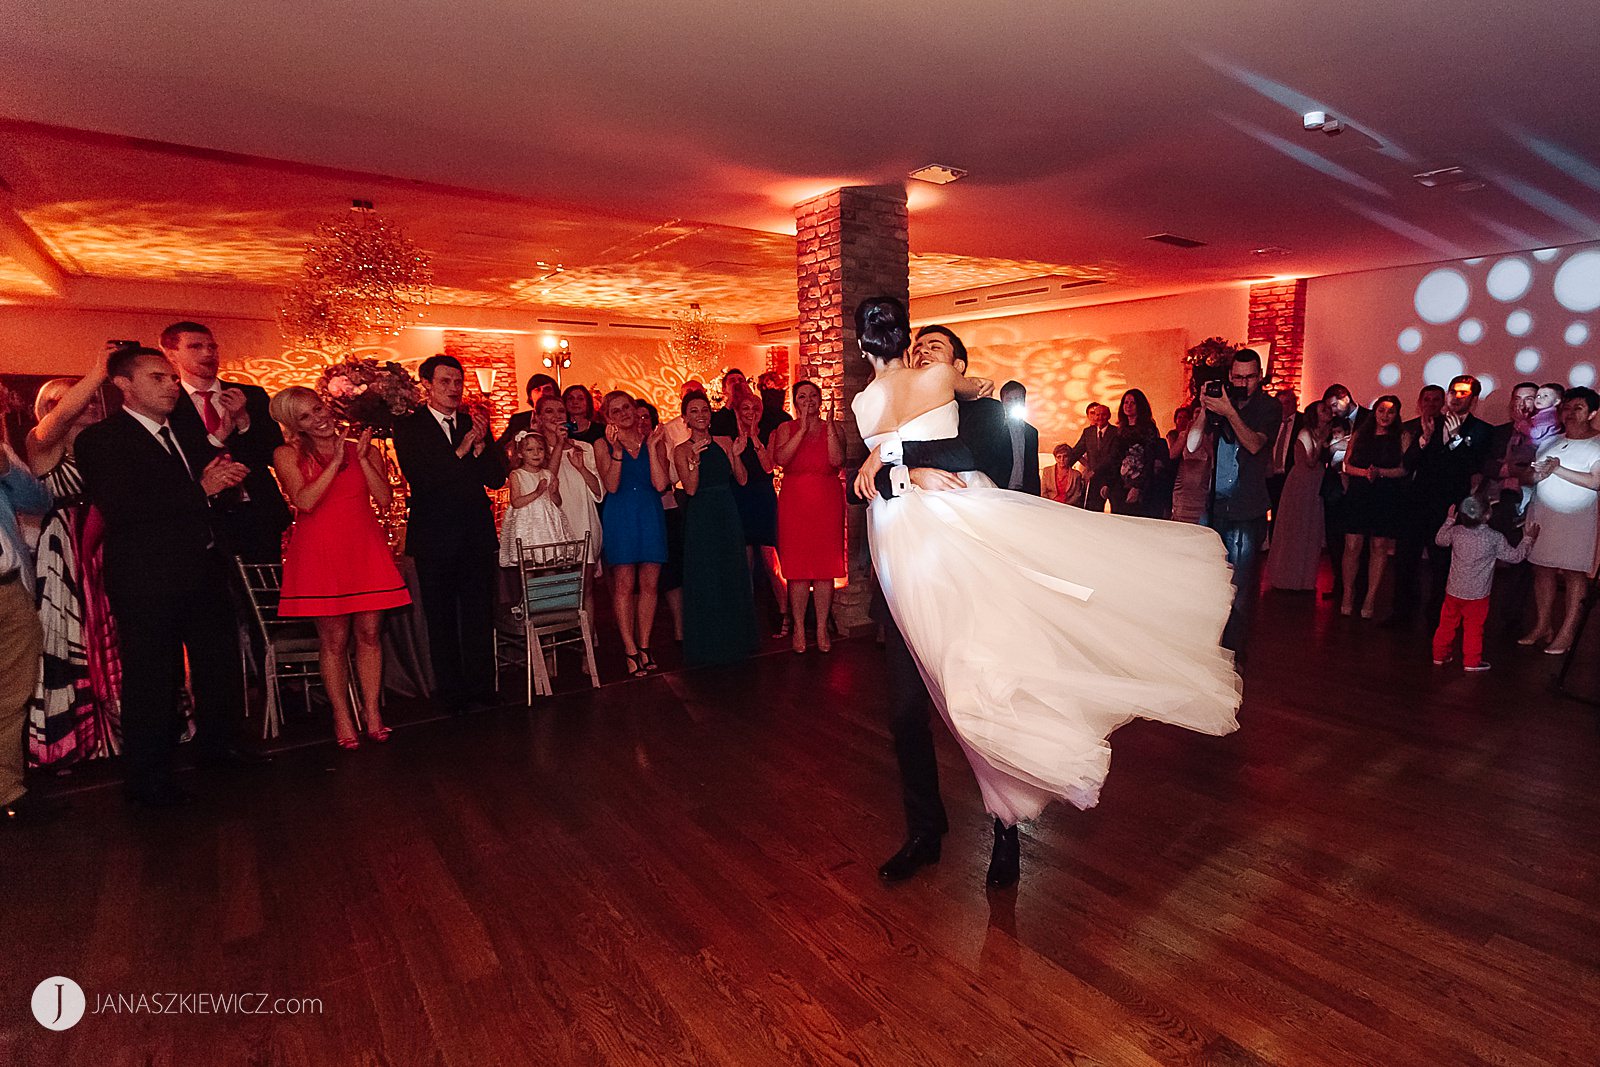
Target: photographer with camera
[(1245, 421)]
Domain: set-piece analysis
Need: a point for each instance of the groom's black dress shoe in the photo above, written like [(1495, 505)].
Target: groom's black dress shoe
[(918, 851), (1005, 864)]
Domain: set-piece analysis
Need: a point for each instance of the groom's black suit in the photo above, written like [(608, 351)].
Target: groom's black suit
[(908, 694)]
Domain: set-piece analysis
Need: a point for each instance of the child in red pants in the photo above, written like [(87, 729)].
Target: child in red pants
[(1474, 550)]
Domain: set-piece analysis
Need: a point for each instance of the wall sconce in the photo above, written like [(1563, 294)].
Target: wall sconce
[(485, 376)]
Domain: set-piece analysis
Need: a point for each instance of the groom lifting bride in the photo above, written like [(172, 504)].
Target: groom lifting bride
[(1032, 655)]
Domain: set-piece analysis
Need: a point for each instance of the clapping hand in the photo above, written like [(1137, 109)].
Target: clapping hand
[(739, 444), (232, 402), (363, 445), (223, 473)]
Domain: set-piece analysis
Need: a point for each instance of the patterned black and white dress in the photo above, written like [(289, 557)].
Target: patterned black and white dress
[(74, 713)]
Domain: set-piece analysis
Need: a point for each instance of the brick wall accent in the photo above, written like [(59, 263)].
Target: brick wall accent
[(488, 351), (851, 243), (1278, 315)]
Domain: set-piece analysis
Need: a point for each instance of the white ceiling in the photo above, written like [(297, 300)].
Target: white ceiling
[(1086, 126)]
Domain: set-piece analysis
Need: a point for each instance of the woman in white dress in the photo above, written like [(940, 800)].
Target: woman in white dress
[(1566, 505), (1039, 628), (577, 477)]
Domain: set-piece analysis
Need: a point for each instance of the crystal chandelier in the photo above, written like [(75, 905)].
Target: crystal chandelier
[(699, 343), (361, 279)]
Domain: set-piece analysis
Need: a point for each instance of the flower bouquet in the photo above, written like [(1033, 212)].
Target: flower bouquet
[(368, 394)]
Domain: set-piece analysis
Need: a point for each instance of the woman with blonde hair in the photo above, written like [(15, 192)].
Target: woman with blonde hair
[(337, 570), (75, 711), (633, 468)]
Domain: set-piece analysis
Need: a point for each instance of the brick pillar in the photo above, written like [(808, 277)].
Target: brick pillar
[(851, 243), (1278, 315)]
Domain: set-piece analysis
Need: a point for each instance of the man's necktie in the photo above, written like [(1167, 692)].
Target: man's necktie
[(210, 413), (173, 449), (456, 431)]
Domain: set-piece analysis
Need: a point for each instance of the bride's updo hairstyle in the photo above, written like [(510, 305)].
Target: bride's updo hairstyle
[(883, 329)]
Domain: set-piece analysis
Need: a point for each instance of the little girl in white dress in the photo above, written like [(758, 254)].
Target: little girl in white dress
[(535, 516)]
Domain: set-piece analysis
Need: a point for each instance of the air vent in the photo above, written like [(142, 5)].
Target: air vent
[(1175, 241), (966, 300), (569, 322), (636, 326), (776, 328), (1442, 177), (1018, 292), (938, 174), (1080, 283)]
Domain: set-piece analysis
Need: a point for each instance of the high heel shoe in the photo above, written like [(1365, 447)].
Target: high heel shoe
[(824, 642), (349, 744), (1534, 638), (636, 664), (647, 661), (798, 644), (380, 735), (783, 629)]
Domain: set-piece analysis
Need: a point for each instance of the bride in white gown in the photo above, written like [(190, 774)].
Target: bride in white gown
[(1039, 628)]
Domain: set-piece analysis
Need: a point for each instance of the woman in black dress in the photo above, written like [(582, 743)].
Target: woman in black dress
[(719, 618), (758, 504), (1376, 483), (583, 426), (1142, 457)]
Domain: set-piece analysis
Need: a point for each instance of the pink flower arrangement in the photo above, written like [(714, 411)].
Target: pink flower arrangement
[(367, 393)]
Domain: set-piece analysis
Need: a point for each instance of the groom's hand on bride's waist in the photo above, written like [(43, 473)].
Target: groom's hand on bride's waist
[(932, 479)]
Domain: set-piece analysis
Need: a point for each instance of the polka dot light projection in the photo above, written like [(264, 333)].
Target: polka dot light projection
[(1495, 314)]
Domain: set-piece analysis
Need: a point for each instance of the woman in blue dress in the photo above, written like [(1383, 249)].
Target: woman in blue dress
[(633, 467)]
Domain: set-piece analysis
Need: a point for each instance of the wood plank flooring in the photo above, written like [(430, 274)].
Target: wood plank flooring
[(1388, 865)]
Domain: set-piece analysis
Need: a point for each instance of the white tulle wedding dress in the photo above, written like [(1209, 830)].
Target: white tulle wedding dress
[(1040, 628)]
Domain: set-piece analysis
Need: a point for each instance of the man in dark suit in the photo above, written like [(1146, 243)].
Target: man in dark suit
[(447, 459), (983, 421), (1023, 474), (156, 484), (1097, 450), (233, 415), (930, 465), (1283, 451), (1448, 458)]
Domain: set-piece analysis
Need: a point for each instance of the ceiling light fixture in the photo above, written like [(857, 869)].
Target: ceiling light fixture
[(1175, 241), (938, 174)]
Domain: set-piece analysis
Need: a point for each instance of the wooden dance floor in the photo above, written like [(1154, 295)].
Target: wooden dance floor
[(1387, 865)]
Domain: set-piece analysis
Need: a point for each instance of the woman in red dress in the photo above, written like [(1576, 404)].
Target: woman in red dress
[(337, 569), (810, 450)]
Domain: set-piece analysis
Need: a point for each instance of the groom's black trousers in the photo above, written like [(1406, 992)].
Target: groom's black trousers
[(909, 710)]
